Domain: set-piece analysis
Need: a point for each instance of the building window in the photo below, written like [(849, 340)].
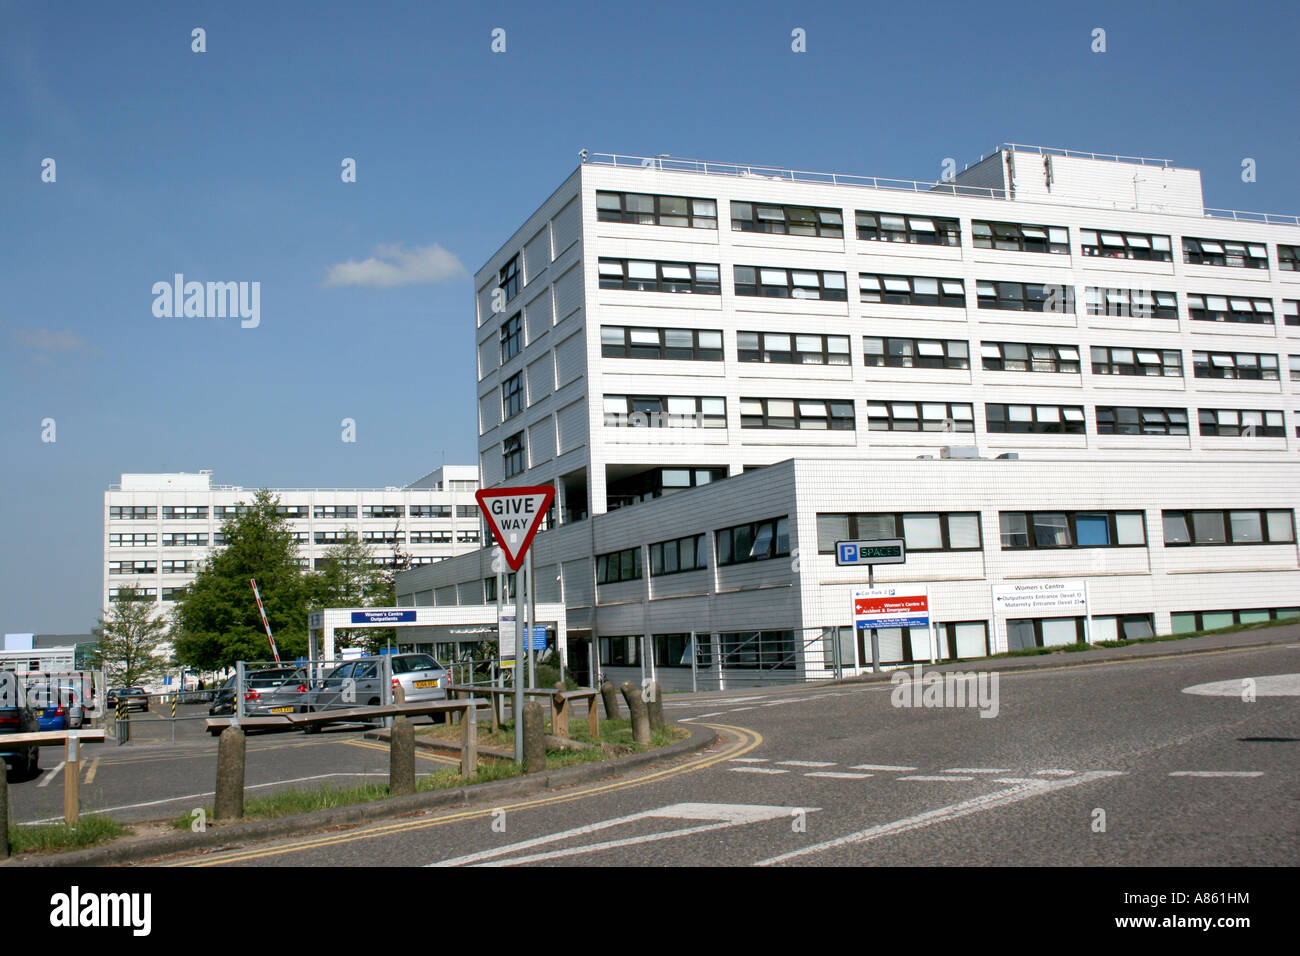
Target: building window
[(911, 290), (511, 336), (467, 536), (790, 283), (1291, 311), (665, 411), (756, 541), (132, 567), (184, 512), (1224, 308), (137, 594), (1029, 357), (229, 511), (787, 348), (1107, 360), (898, 227), (1131, 303), (430, 537), (1025, 296), (1122, 627), (182, 540), (1026, 632), (1240, 365), (508, 277), (618, 566), (759, 650), (963, 639), (179, 567), (383, 537), (674, 650), (174, 593), (1219, 252), (430, 511), (1020, 237), (467, 511), (490, 588), (681, 554), (645, 276), (333, 537), (132, 512), (1125, 245), (1121, 420), (653, 210), (1188, 528), (293, 512), (1247, 422), (383, 511), (1184, 621), (132, 540), (695, 345), (512, 396), (1072, 529), (920, 531), (787, 220), (512, 454), (816, 414), (219, 538), (920, 417), (339, 511), (915, 353), (1295, 367), (1288, 258), (618, 651), (1035, 419)]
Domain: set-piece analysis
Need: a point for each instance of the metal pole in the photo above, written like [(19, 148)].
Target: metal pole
[(875, 638), (498, 701), (695, 677), (532, 655), (518, 710), (1087, 610), (239, 692), (837, 654)]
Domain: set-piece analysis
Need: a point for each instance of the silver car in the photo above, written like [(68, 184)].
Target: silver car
[(357, 683)]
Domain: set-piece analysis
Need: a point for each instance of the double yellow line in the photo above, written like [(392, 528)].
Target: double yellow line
[(740, 741)]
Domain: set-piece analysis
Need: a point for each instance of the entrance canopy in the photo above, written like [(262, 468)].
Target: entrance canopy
[(463, 623)]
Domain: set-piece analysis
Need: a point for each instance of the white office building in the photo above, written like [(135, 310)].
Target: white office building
[(159, 528), (1059, 367)]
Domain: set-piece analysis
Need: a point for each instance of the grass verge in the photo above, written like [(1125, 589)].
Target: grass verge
[(55, 837)]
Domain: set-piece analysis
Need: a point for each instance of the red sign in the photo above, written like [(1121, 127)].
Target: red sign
[(514, 515)]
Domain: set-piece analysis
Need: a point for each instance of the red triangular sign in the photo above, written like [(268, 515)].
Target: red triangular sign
[(514, 515)]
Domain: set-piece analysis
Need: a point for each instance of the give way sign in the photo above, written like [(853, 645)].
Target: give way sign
[(514, 515)]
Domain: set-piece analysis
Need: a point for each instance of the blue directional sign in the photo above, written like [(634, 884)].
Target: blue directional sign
[(882, 551), (537, 638), (382, 617)]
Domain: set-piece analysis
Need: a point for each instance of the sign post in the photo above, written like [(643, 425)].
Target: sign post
[(514, 515), (870, 553)]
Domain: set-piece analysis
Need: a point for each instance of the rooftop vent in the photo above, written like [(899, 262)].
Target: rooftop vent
[(1009, 456), (959, 451)]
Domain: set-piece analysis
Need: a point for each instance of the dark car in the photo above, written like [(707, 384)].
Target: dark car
[(135, 697), (275, 690), (16, 717)]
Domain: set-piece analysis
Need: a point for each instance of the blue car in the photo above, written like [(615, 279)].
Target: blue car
[(50, 712), (16, 717)]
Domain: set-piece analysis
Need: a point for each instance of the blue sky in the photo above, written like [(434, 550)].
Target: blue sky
[(225, 166)]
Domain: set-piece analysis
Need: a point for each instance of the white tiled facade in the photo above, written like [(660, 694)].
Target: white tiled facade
[(1101, 217), (178, 519)]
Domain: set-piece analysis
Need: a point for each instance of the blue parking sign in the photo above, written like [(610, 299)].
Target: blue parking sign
[(848, 553)]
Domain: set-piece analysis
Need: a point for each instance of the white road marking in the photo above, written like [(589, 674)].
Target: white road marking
[(988, 801), (736, 710), (1271, 685), (750, 760), (755, 770), (1217, 773), (947, 778), (50, 775), (806, 763), (721, 815), (702, 716), (880, 766), (975, 770), (1054, 773), (1014, 780), (835, 775)]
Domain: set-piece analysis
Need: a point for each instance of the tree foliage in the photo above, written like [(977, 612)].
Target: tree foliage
[(129, 639)]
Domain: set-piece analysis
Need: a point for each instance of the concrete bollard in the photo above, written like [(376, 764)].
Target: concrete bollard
[(534, 738), (636, 708), (401, 757), (4, 812), (610, 697), (229, 804), (399, 695), (655, 706), (469, 742)]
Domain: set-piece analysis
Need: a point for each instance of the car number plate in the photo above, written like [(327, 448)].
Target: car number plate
[(282, 710), (426, 683)]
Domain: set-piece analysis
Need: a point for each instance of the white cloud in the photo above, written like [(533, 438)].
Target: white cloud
[(393, 266), (50, 340)]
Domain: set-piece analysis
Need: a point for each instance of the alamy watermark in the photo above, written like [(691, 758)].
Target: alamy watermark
[(949, 689), (212, 300)]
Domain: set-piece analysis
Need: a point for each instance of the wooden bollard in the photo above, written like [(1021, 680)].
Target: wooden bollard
[(401, 757), (636, 708), (71, 780), (469, 742), (229, 803), (655, 705), (559, 711), (534, 738), (593, 717), (610, 697), (4, 812)]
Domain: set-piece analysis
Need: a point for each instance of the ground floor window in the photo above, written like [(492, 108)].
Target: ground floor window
[(619, 651), (963, 639), (1185, 621), (1122, 627), (1027, 632), (673, 650), (766, 650)]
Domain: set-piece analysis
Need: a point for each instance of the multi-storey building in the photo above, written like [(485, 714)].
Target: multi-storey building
[(660, 325), (159, 528)]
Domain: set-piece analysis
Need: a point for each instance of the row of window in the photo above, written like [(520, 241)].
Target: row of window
[(828, 222), (293, 512), (150, 567), (740, 544)]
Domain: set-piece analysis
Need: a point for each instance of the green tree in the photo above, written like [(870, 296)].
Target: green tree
[(217, 623), (347, 576), (131, 642)]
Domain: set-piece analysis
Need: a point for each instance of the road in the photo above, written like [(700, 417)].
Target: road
[(1108, 764)]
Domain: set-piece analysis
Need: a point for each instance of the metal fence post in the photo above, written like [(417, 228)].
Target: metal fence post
[(695, 668), (239, 693)]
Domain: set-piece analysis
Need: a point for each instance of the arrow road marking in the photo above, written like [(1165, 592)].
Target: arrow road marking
[(989, 801), (720, 815)]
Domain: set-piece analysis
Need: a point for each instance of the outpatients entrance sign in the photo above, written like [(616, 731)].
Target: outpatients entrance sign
[(514, 515)]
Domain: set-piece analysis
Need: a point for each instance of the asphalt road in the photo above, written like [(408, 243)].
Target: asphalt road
[(1112, 764)]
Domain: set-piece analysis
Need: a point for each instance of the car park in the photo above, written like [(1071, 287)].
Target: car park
[(17, 717)]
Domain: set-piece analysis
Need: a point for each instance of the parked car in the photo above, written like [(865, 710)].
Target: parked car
[(357, 683), (277, 690), (45, 703), (16, 717), (135, 697), (72, 702)]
